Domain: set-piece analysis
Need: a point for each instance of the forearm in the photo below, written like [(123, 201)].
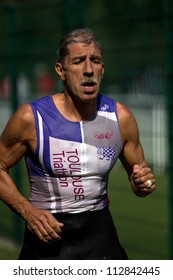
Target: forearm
[(40, 222), (10, 195)]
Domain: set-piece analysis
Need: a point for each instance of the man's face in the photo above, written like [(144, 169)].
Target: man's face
[(83, 71)]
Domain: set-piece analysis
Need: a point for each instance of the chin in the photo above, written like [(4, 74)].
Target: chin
[(88, 96)]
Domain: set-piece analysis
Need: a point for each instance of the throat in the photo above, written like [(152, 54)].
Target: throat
[(79, 115), (75, 111)]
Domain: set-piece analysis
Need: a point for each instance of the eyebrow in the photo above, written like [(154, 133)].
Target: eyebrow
[(84, 56), (78, 57)]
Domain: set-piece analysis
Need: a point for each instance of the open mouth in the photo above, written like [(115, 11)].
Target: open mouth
[(89, 87)]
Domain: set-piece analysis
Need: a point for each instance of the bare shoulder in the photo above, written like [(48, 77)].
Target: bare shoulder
[(125, 115), (23, 116), (24, 113), (18, 137), (127, 121), (21, 125)]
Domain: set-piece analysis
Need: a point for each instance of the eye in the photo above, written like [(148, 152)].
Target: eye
[(77, 61), (96, 60)]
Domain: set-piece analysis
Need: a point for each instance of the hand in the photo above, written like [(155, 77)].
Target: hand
[(44, 225), (140, 179)]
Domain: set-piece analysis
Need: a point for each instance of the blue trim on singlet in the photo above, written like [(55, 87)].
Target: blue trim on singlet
[(46, 108), (102, 100)]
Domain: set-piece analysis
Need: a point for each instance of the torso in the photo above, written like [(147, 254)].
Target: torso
[(69, 171)]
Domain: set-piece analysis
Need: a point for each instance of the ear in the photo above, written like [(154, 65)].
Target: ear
[(59, 70), (103, 70)]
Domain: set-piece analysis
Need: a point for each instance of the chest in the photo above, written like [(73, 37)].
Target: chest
[(74, 148)]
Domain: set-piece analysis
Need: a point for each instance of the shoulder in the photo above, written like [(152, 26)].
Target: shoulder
[(127, 122), (21, 125), (125, 115), (24, 115)]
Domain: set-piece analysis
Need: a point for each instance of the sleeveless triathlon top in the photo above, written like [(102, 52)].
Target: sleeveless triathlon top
[(69, 171)]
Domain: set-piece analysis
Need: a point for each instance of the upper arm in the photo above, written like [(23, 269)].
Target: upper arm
[(17, 136), (132, 152)]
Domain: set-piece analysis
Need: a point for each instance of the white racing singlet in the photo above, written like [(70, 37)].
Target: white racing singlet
[(69, 170)]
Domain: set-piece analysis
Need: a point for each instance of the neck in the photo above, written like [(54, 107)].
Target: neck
[(76, 109)]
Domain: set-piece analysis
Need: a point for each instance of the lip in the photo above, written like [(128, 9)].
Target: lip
[(89, 88)]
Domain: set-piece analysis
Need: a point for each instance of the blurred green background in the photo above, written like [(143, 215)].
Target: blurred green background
[(138, 54)]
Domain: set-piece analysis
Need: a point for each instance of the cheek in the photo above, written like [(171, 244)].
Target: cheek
[(72, 81), (100, 75), (71, 75)]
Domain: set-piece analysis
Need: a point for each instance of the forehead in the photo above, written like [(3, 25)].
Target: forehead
[(80, 49)]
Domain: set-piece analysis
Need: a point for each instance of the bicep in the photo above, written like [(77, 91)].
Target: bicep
[(132, 152), (10, 151), (13, 140)]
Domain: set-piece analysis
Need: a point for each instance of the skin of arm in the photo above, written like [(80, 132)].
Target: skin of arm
[(132, 155), (18, 138)]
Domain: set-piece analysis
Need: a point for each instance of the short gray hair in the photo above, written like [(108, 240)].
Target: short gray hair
[(84, 35)]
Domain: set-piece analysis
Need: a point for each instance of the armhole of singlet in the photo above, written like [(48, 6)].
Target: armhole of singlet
[(35, 112), (116, 113)]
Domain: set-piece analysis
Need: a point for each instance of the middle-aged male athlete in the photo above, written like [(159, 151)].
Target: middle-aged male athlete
[(71, 141)]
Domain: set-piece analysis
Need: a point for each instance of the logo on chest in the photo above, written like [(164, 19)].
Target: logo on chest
[(104, 135), (107, 153)]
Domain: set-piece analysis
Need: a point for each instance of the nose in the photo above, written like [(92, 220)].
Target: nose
[(88, 68)]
